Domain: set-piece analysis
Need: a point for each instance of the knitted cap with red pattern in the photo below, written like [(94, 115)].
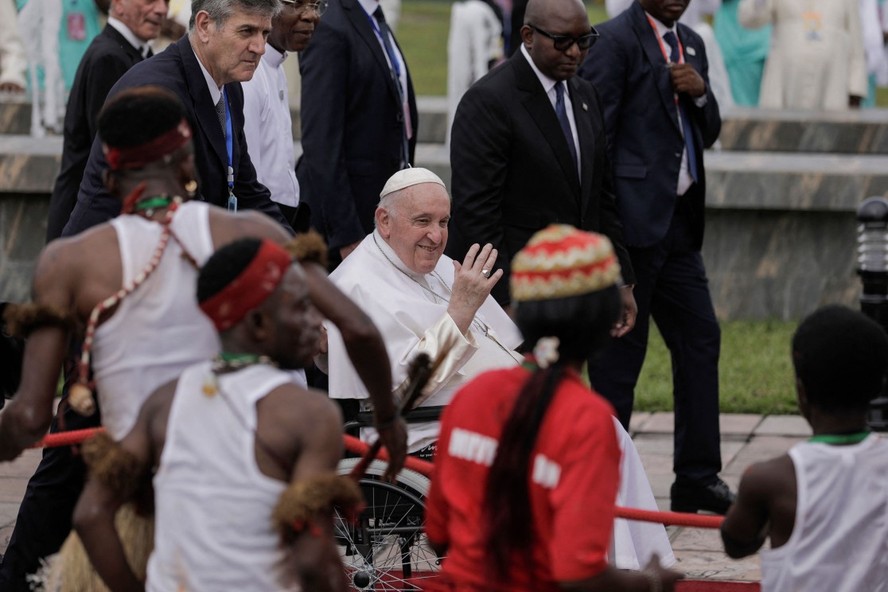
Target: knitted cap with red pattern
[(561, 261)]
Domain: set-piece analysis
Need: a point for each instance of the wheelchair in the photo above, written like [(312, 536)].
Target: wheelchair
[(386, 548)]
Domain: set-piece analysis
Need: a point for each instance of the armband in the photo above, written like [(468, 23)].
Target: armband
[(24, 319), (117, 469), (302, 502), (308, 247)]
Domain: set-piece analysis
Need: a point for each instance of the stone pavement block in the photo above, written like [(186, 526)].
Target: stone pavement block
[(638, 420), (738, 424), (715, 565), (784, 425), (653, 444), (697, 539), (22, 467), (660, 423), (761, 448), (730, 449)]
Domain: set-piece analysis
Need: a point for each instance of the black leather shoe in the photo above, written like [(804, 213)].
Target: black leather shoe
[(693, 496)]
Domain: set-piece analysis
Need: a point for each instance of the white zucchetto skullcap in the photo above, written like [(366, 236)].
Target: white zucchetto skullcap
[(408, 178)]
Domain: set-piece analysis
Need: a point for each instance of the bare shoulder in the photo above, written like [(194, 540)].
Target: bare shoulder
[(768, 479), (304, 408), (227, 227), (66, 259)]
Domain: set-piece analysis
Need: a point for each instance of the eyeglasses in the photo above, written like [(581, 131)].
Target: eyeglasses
[(564, 42), (319, 6)]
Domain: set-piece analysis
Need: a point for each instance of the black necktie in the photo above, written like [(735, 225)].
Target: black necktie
[(147, 52), (687, 131), (395, 70), (220, 113), (561, 113)]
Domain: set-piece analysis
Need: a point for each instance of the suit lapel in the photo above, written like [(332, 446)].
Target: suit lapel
[(582, 107), (361, 23), (115, 35), (540, 109), (654, 54), (201, 101)]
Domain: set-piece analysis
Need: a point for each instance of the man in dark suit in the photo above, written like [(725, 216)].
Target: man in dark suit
[(660, 115), (358, 120), (223, 47), (122, 43), (528, 148)]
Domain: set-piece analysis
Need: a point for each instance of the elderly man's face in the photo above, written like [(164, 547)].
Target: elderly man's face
[(293, 27), (415, 227), (234, 48), (142, 17)]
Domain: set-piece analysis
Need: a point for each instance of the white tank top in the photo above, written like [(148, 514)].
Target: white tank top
[(158, 330), (840, 539), (213, 526)]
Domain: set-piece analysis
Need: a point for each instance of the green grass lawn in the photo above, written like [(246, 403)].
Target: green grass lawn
[(755, 372), (422, 34)]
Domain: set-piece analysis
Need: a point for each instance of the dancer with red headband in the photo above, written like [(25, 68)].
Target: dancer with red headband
[(227, 438), (123, 280)]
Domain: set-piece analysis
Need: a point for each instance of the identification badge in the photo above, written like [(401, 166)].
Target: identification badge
[(76, 26), (812, 24)]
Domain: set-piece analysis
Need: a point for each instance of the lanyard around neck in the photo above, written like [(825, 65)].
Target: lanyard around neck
[(229, 146), (667, 54), (387, 47)]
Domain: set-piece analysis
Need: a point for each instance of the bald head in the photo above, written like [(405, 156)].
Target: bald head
[(553, 32), (539, 11)]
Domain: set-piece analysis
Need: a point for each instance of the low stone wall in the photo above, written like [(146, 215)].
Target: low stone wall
[(781, 228)]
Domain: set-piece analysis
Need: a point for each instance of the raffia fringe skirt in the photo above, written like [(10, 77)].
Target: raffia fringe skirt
[(70, 570)]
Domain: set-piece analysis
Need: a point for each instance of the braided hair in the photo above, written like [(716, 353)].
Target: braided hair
[(582, 325)]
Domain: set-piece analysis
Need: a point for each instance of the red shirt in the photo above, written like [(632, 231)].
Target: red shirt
[(573, 483)]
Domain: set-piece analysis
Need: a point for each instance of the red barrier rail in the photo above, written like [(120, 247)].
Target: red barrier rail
[(356, 446)]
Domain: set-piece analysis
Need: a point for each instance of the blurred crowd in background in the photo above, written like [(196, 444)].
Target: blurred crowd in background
[(799, 54)]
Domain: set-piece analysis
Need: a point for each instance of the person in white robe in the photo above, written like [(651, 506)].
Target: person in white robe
[(423, 301), (816, 60), (474, 45)]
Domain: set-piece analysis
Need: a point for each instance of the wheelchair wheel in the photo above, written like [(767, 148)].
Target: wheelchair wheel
[(386, 549)]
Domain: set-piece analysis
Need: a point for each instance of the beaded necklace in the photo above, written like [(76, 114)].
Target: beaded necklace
[(80, 398), (225, 362)]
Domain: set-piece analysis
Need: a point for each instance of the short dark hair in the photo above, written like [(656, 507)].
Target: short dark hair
[(841, 357), (224, 265), (138, 115), (581, 323)]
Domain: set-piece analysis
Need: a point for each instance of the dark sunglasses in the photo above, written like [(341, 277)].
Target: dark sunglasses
[(564, 42)]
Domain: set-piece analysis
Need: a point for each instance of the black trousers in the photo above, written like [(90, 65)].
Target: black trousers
[(44, 517), (672, 288)]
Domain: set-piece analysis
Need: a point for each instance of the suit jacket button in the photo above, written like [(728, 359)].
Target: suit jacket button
[(678, 155)]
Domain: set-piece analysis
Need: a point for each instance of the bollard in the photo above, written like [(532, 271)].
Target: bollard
[(872, 267)]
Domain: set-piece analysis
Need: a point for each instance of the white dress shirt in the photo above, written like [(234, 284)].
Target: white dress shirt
[(268, 128), (121, 28)]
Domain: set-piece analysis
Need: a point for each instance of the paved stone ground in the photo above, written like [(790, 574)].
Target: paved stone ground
[(745, 439)]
